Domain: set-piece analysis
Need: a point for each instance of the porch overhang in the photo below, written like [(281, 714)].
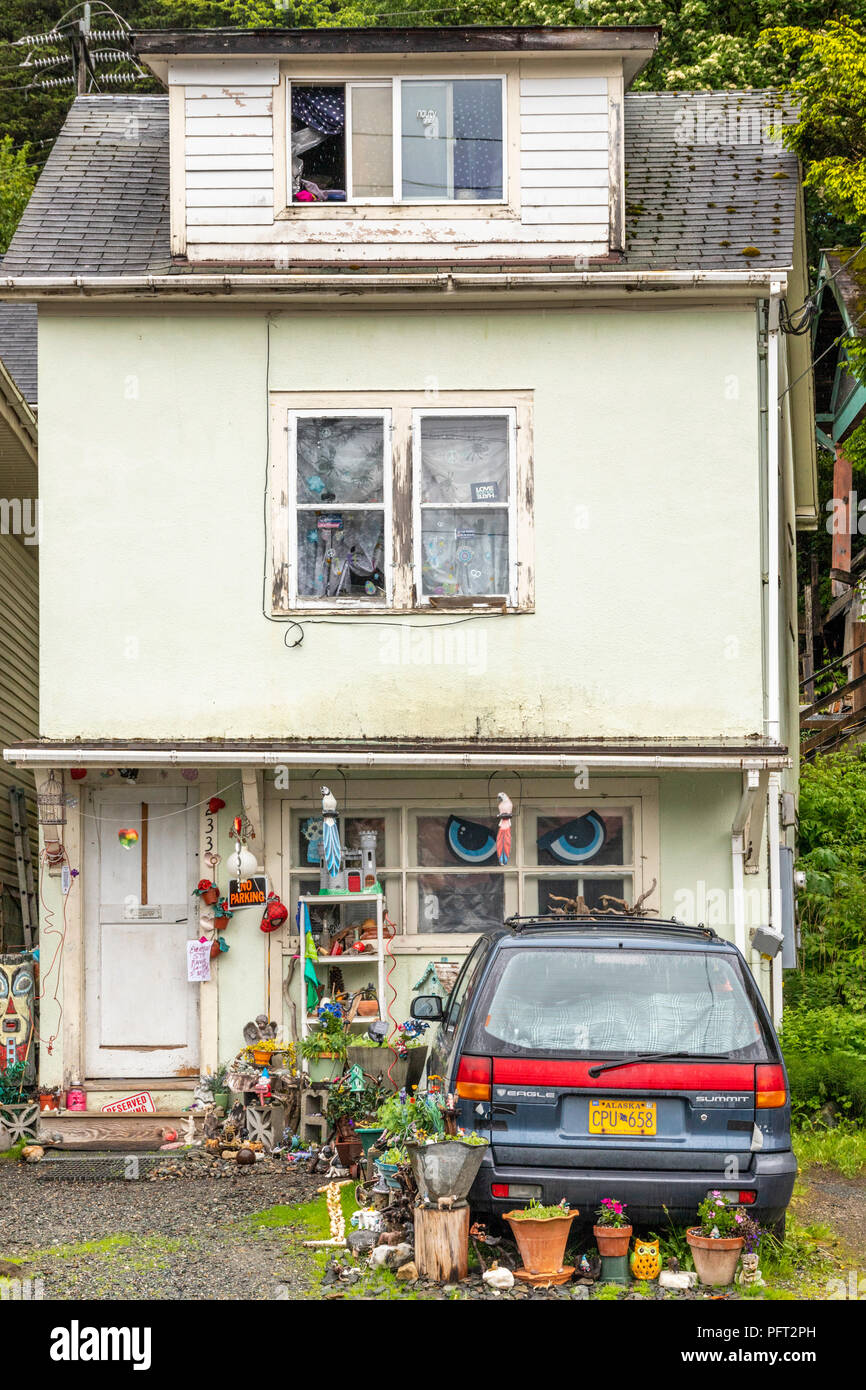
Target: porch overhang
[(551, 755)]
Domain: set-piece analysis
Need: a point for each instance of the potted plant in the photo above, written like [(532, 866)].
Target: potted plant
[(207, 891), (389, 1165), (351, 1101), (612, 1229), (445, 1165), (219, 1086), (222, 915), (716, 1243), (542, 1234), (325, 1052)]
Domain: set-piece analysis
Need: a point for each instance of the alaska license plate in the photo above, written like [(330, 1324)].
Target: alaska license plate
[(628, 1119)]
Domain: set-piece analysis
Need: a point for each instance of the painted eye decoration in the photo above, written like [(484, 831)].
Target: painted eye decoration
[(469, 841), (4, 985), (22, 982), (577, 841)]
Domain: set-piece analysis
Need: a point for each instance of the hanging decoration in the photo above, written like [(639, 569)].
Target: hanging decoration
[(302, 920), (51, 802), (215, 805), (128, 837), (189, 774), (129, 773), (503, 834), (275, 914), (78, 773), (331, 847)]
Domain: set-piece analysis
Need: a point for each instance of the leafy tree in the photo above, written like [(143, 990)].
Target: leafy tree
[(17, 178), (829, 88)]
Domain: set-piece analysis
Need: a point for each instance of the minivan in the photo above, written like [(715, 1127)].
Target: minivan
[(615, 1057)]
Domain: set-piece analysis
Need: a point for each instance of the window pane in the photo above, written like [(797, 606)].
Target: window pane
[(339, 459), (341, 554), (372, 152), (464, 552), (460, 902), (452, 139), (546, 894), (308, 849), (464, 458), (318, 143), (597, 1002), (457, 839), (577, 837)]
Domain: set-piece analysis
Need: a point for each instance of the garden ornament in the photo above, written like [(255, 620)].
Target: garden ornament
[(331, 848)]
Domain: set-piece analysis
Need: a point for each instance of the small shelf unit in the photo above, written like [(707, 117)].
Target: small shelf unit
[(365, 958)]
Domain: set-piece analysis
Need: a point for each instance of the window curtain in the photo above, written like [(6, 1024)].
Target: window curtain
[(478, 139)]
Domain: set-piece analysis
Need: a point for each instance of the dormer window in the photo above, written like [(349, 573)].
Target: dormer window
[(398, 140)]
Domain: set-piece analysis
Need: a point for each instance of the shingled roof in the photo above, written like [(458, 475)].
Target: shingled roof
[(18, 346), (100, 206), (705, 185), (705, 188)]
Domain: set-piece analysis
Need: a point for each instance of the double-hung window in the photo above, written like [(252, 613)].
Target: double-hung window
[(398, 140)]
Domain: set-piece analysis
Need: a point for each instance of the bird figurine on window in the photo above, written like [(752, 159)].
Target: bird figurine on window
[(331, 848), (503, 834)]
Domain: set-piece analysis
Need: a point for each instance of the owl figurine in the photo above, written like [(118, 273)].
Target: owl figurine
[(645, 1261)]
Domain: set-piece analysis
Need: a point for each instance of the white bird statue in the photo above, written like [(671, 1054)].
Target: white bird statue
[(499, 1279), (503, 834), (331, 847)]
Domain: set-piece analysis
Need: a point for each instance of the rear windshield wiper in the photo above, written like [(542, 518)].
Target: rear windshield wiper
[(655, 1057)]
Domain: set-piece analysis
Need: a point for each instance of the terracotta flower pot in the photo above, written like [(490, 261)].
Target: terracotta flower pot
[(210, 896), (221, 923), (612, 1240), (47, 1102), (715, 1260), (541, 1243)]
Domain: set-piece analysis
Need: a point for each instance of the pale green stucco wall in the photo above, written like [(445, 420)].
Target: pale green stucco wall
[(152, 461)]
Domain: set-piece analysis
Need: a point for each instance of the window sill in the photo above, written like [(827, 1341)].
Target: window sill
[(483, 610), (458, 211)]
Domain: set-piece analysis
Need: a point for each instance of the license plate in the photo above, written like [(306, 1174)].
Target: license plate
[(628, 1119)]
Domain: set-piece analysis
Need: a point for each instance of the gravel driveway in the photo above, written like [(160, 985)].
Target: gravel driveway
[(182, 1239)]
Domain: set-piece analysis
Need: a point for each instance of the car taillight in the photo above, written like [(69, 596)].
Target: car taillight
[(499, 1189), (516, 1191), (770, 1087), (473, 1078), (747, 1198)]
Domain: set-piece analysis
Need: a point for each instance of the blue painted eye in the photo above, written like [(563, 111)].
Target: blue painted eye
[(469, 841), (22, 981), (577, 841)]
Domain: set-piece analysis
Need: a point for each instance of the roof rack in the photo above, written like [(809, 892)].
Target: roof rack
[(543, 922)]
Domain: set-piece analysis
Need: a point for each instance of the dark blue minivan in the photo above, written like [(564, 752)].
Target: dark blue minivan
[(616, 1057)]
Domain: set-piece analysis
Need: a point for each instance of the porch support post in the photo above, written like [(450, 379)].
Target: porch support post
[(209, 991), (738, 854)]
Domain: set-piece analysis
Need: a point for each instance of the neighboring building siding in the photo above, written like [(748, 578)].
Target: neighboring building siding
[(229, 156), (19, 706)]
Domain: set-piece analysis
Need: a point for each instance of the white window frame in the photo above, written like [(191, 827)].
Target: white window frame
[(295, 507), (397, 199), (510, 414)]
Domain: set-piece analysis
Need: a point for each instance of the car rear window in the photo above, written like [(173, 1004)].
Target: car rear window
[(596, 1002)]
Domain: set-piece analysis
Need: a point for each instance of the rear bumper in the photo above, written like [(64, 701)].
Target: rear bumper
[(646, 1193)]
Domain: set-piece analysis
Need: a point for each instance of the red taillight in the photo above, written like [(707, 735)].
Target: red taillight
[(499, 1189), (746, 1198), (473, 1078), (770, 1090)]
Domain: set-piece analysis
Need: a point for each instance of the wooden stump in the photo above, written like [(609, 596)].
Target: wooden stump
[(442, 1243)]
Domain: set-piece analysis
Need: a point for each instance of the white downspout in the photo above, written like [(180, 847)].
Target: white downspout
[(773, 650), (738, 855)]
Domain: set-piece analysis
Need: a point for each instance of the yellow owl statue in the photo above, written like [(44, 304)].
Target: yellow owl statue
[(645, 1261)]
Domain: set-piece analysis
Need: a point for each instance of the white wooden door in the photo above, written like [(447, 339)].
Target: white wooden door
[(142, 1016)]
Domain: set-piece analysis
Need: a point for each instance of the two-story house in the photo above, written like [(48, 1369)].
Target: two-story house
[(417, 422)]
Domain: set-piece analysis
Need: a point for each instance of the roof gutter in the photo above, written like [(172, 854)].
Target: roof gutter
[(250, 284), (82, 754)]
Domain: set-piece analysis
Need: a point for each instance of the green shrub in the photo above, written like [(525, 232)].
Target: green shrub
[(831, 1028), (816, 1078)]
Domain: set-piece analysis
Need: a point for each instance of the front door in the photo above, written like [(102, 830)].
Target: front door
[(141, 1016)]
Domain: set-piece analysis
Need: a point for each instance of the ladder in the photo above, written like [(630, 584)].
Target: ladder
[(24, 861)]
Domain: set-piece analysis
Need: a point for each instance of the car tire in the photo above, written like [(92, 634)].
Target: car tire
[(777, 1228)]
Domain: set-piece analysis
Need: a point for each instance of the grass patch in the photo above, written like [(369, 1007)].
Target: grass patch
[(12, 1155), (609, 1293), (842, 1148)]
